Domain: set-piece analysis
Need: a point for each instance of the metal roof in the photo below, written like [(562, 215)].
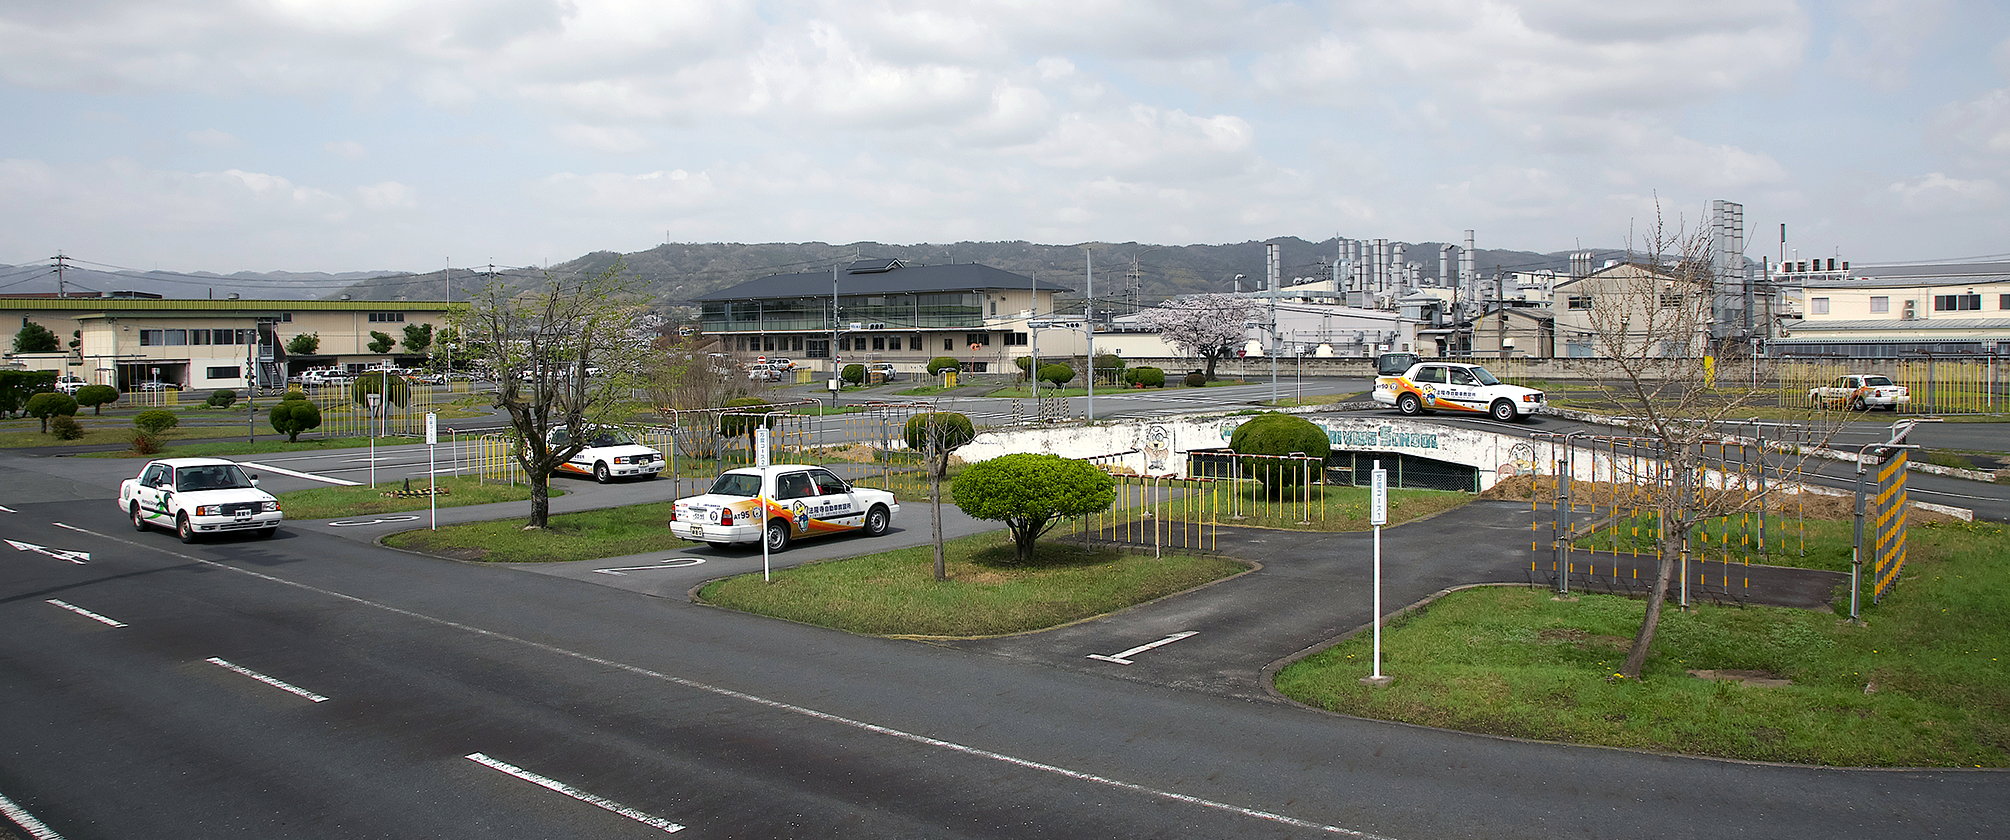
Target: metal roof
[(895, 279), (217, 306), (1855, 281), (1871, 324)]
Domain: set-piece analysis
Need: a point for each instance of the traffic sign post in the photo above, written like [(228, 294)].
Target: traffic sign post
[(433, 476), (1378, 515), (761, 494)]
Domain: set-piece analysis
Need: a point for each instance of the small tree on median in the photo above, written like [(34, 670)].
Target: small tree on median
[(97, 396), (295, 414), (51, 404), (935, 434), (1030, 493)]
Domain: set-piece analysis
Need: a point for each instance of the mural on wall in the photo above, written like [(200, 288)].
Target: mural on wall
[(1157, 444), (1520, 461), (1229, 425)]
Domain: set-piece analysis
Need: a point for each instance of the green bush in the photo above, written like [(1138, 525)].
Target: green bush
[(222, 398), (295, 394), (1030, 492), (155, 421), (293, 416), (853, 373), (945, 430), (65, 427), (1109, 365), (1281, 434), (49, 404), (1196, 379), (737, 424), (97, 396), (1057, 373), (1149, 377), (145, 444), (942, 363)]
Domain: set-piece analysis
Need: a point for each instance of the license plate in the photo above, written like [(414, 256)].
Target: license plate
[(697, 530)]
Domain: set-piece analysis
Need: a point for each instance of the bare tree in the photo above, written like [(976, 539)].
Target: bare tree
[(564, 357), (1647, 323), (1209, 326)]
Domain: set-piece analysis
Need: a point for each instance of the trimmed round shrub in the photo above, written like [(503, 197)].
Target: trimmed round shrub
[(49, 404), (942, 363), (947, 430), (1196, 379), (65, 427), (1149, 377), (1031, 492), (1057, 373), (293, 416), (852, 373), (221, 398), (1272, 433), (97, 396), (155, 421), (294, 395)]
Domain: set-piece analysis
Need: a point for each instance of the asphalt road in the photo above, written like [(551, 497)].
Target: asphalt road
[(462, 700)]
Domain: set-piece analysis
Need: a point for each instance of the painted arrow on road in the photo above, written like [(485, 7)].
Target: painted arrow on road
[(77, 557), (673, 563), (1124, 658)]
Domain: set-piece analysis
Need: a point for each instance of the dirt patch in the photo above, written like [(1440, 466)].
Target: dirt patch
[(1763, 679), (1587, 641)]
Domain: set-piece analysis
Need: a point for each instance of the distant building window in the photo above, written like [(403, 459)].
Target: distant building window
[(894, 343), (1671, 301), (1017, 339), (817, 349), (1880, 304), (387, 317), (1818, 306), (1957, 303), (1579, 302), (878, 342), (225, 373), (949, 344), (983, 339), (2003, 302)]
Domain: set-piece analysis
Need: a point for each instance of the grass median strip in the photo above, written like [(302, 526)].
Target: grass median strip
[(334, 502), (1925, 684), (896, 594), (587, 535)]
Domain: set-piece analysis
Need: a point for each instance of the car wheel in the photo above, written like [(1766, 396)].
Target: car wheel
[(184, 529), (1503, 411), (600, 473), (1409, 405), (778, 535), (139, 521), (1856, 404), (877, 521)]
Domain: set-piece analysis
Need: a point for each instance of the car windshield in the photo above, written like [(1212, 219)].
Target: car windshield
[(1484, 377), (1877, 380), (737, 484), (218, 477), (610, 437)]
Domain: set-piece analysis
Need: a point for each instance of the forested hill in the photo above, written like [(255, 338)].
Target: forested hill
[(675, 273)]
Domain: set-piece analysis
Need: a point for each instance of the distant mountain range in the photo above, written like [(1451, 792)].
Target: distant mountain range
[(673, 274)]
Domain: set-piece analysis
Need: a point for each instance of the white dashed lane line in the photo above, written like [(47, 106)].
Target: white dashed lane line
[(85, 613), (666, 826), (282, 685)]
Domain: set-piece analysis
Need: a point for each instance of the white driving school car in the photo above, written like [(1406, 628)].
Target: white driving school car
[(800, 500), (610, 453), (197, 496), (1451, 386)]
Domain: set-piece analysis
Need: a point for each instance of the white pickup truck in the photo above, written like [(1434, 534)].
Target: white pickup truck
[(800, 501), (197, 496), (1451, 386)]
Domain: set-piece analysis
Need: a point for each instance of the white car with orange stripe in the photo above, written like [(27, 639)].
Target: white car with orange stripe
[(1456, 387), (609, 453), (799, 500)]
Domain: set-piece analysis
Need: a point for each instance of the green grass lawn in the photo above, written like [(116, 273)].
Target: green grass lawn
[(334, 502), (896, 594), (1925, 684), (587, 535)]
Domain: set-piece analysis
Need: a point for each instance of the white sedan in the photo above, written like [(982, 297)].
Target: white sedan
[(197, 496), (781, 503)]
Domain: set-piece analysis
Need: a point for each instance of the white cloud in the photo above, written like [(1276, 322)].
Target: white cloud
[(345, 149), (1936, 194), (1980, 126), (1885, 37), (601, 138), (389, 195)]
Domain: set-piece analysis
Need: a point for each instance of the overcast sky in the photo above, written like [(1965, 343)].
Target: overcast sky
[(339, 135)]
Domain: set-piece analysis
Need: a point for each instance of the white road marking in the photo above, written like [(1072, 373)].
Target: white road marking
[(22, 818), (84, 612), (69, 527), (1124, 658), (8, 509), (282, 685), (77, 557), (308, 476), (758, 700), (672, 563), (342, 523), (666, 826)]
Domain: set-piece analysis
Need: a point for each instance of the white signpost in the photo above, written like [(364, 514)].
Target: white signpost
[(761, 494), (433, 478), (1378, 515)]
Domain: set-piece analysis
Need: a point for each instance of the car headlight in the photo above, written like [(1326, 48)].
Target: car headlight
[(209, 510), (269, 507), (622, 459)]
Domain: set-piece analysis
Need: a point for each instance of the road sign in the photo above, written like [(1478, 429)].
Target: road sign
[(1378, 496), (432, 429), (761, 458)]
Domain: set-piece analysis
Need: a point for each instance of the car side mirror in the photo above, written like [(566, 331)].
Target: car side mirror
[(254, 481)]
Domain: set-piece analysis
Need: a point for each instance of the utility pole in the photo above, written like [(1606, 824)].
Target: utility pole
[(62, 263), (836, 371), (1089, 322)]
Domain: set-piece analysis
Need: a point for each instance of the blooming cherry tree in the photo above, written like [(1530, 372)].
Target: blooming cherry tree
[(1209, 326)]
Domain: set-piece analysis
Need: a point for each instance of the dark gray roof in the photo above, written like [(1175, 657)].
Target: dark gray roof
[(897, 278)]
